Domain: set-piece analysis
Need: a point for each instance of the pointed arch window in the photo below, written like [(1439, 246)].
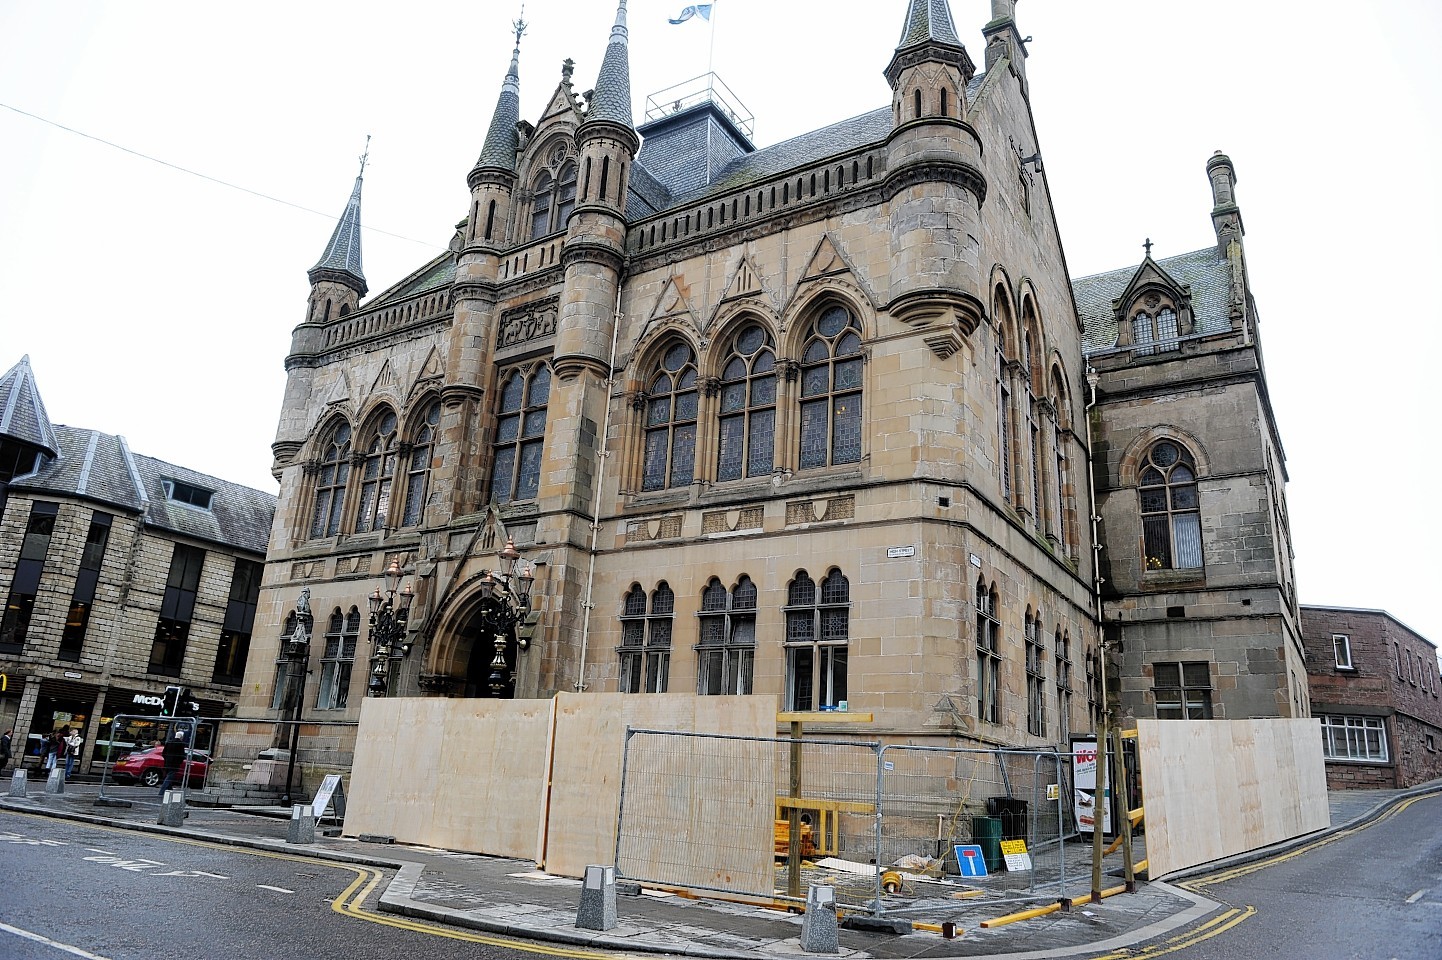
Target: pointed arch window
[(988, 655), (1154, 334), (818, 632), (543, 194), (726, 654), (378, 472), (1035, 676), (1170, 508), (1063, 685), (1003, 420), (831, 390), (330, 482), (747, 434), (645, 649), (520, 433), (669, 459), (337, 659), (418, 465), (565, 195)]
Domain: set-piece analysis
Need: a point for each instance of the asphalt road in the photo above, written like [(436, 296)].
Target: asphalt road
[(1373, 893), (72, 890)]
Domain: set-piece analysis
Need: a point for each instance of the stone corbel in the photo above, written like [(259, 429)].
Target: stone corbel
[(788, 369), (710, 386)]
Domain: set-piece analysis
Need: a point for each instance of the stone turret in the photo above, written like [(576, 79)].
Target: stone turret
[(1004, 40), (1226, 215), (594, 251), (934, 180)]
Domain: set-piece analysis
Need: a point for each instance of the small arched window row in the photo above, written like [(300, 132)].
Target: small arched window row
[(362, 499)]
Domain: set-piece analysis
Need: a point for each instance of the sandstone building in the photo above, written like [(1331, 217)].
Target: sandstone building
[(811, 421), (122, 575), (1378, 696)]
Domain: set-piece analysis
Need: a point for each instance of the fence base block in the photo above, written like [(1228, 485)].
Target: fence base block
[(172, 809), (818, 927), (19, 783), (598, 899), (302, 825), (55, 783)]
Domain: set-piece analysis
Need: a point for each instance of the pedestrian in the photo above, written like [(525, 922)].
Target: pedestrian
[(73, 743), (50, 750), (173, 753), (5, 749)]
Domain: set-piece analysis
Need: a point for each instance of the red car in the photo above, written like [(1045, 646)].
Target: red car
[(148, 767)]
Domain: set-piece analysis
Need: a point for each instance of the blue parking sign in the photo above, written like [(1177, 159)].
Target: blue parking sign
[(970, 859)]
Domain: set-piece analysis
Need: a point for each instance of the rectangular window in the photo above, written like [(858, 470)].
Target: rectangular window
[(337, 662), (1354, 738), (78, 619), (1342, 651), (235, 631), (1183, 691), (988, 658), (186, 493), (1063, 687), (15, 625), (172, 630)]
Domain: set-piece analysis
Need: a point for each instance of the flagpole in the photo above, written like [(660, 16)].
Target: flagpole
[(710, 82)]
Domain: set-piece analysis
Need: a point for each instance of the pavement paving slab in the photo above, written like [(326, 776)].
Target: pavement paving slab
[(512, 897)]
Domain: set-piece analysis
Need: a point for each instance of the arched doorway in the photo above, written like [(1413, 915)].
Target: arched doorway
[(490, 634)]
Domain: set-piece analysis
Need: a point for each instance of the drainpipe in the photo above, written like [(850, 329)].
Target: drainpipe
[(580, 684), (1099, 798)]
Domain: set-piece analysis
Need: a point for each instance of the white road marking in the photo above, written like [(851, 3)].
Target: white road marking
[(266, 886), (108, 853), (1417, 896), (67, 948)]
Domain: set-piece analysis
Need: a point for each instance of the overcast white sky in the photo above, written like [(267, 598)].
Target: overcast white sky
[(158, 305)]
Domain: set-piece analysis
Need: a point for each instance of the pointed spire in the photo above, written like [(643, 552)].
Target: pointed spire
[(612, 99), (928, 20), (502, 138), (22, 414), (342, 258)]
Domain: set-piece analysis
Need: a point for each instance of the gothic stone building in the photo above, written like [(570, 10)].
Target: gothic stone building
[(809, 421), (122, 575)]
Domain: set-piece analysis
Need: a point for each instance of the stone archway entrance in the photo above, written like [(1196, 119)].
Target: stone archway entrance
[(490, 637)]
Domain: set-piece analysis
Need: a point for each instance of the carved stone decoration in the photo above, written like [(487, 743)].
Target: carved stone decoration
[(532, 322), (302, 570), (827, 510), (440, 684), (800, 511), (730, 521), (840, 508), (654, 528)]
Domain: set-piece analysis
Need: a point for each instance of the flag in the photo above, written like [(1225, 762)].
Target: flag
[(703, 10)]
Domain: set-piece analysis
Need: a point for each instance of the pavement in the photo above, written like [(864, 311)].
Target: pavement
[(512, 898)]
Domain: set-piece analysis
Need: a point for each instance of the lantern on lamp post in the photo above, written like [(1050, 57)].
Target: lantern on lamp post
[(505, 603), (389, 643)]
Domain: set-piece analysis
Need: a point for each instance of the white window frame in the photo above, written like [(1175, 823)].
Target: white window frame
[(1342, 651), (1346, 738)]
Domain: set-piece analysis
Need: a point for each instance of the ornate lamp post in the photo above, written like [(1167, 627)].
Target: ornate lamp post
[(297, 655), (505, 602), (388, 629)]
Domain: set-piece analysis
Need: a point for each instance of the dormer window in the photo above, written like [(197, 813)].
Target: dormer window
[(187, 493), (1154, 333)]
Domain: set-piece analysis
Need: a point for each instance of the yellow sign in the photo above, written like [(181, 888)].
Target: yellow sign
[(1013, 846), (1053, 791)]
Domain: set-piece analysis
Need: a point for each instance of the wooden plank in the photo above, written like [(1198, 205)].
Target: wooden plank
[(842, 806), (823, 716)]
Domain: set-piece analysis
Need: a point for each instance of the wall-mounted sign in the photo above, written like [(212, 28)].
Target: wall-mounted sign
[(894, 553), (976, 561), (72, 675)]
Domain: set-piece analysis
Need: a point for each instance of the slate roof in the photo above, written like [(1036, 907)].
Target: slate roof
[(101, 467), (1207, 272), (612, 98), (439, 273), (343, 253), (928, 20), (502, 138), (22, 412)]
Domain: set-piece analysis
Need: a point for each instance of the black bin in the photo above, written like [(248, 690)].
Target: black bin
[(1012, 811)]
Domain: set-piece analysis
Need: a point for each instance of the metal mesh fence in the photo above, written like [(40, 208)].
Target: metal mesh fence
[(713, 813)]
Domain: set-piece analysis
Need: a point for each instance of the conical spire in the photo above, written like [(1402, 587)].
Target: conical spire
[(342, 258), (502, 138), (612, 99), (928, 20), (22, 414)]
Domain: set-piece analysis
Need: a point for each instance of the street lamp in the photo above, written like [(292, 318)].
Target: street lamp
[(297, 655), (388, 629), (505, 602)]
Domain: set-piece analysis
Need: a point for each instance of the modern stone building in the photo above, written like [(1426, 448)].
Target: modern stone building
[(1378, 695), (122, 575), (809, 421)]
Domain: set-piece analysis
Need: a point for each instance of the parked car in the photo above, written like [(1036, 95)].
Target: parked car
[(148, 767)]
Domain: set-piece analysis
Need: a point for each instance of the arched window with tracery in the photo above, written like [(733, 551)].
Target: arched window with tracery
[(543, 195), (818, 632), (520, 433), (831, 390), (1170, 508), (747, 434), (726, 653), (988, 654), (330, 481), (418, 464), (553, 194), (669, 459), (645, 650), (378, 472)]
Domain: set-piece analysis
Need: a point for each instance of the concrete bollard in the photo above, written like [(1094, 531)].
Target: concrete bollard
[(55, 783), (172, 809), (818, 927), (19, 783), (302, 825), (598, 899)]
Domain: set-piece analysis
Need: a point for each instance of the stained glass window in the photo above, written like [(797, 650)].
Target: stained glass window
[(645, 650), (817, 638), (747, 406), (330, 482), (520, 433), (669, 459), (831, 390), (418, 468), (726, 653), (378, 472)]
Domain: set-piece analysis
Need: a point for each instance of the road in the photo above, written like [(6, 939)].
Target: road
[(72, 890), (1373, 892)]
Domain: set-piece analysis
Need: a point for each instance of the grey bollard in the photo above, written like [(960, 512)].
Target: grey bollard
[(818, 927), (598, 899), (19, 783), (302, 825), (55, 783), (172, 809)]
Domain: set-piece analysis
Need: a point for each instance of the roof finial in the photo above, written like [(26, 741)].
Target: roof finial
[(365, 154), (519, 26), (1148, 246)]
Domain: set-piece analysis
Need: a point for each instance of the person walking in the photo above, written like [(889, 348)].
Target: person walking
[(173, 753), (50, 750), (73, 743), (5, 749)]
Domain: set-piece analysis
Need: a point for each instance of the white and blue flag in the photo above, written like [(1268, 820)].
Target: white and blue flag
[(702, 10)]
